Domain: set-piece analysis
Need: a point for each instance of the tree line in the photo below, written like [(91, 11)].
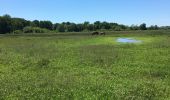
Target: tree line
[(16, 25)]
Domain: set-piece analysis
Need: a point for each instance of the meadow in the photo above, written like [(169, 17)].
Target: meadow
[(81, 66)]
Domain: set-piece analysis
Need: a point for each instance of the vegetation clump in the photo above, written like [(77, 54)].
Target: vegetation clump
[(29, 29)]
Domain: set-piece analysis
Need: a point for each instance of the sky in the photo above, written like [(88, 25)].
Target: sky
[(128, 12)]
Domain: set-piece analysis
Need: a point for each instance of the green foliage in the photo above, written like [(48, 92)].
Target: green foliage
[(5, 24), (46, 24), (18, 32), (90, 27), (39, 30), (18, 24), (29, 29), (153, 27), (61, 28), (143, 26), (9, 25), (35, 23), (165, 27), (97, 25), (117, 28), (134, 27)]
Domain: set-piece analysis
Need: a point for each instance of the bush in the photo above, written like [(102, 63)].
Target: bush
[(39, 30), (17, 32), (118, 28), (29, 29)]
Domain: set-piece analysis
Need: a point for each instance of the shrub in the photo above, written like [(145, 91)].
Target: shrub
[(29, 29), (117, 28), (17, 32), (39, 30)]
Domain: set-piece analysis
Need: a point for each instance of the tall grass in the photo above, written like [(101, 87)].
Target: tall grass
[(75, 66)]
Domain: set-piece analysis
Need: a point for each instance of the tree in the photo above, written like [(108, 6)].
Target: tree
[(90, 27), (80, 27), (97, 25), (61, 28), (105, 25), (42, 24), (143, 26), (35, 23), (55, 26), (123, 27), (72, 27), (5, 24), (153, 27), (18, 24), (46, 24), (85, 25)]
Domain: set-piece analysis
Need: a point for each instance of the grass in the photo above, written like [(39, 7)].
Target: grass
[(81, 66)]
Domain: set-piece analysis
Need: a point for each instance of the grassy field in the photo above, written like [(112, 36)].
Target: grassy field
[(81, 66)]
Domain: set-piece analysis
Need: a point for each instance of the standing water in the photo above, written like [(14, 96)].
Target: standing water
[(128, 40)]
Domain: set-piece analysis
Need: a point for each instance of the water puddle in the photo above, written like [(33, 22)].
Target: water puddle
[(128, 40)]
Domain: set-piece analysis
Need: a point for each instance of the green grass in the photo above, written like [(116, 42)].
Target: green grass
[(81, 66)]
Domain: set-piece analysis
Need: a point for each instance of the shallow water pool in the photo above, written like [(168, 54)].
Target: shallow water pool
[(128, 40)]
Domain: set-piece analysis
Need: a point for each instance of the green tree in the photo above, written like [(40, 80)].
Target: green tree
[(90, 27), (97, 25), (153, 27), (80, 27), (72, 27), (85, 25), (18, 24), (143, 26), (5, 24), (134, 27), (35, 23), (61, 28), (46, 24), (105, 25), (55, 26)]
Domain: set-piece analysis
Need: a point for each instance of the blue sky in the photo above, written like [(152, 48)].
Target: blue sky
[(126, 12)]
